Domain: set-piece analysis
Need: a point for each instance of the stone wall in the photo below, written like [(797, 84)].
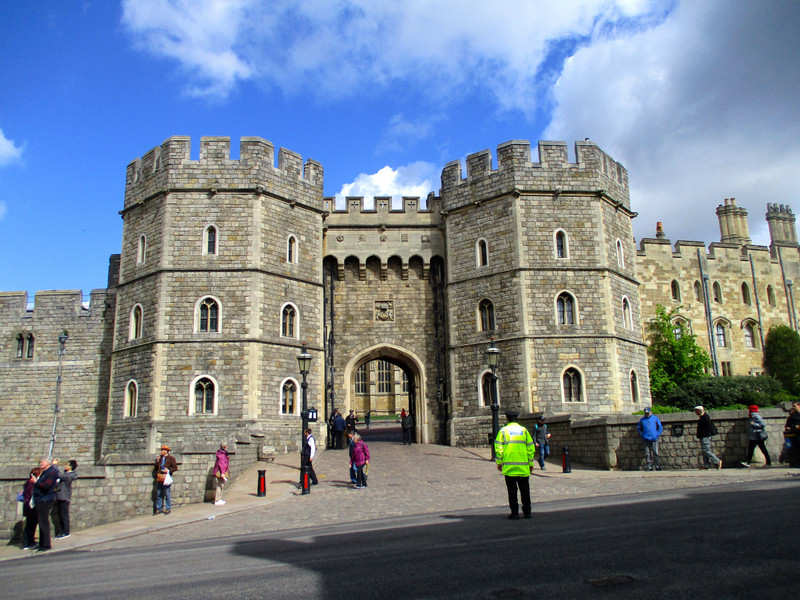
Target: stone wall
[(122, 486), (612, 442)]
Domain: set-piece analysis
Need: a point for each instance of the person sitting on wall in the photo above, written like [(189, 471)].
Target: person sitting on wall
[(650, 429), (165, 465)]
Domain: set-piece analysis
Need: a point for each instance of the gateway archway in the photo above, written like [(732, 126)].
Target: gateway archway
[(385, 379)]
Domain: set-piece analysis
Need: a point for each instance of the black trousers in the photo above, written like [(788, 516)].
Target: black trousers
[(63, 516), (43, 510), (512, 484), (762, 446), (31, 522), (312, 476)]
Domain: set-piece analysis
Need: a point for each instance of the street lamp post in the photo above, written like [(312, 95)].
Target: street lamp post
[(62, 340), (304, 363), (493, 355)]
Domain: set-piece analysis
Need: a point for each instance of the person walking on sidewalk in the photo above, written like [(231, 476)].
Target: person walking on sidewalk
[(705, 429), (165, 465), (64, 497), (757, 436), (541, 439), (514, 451), (360, 460), (650, 429), (307, 455), (221, 472)]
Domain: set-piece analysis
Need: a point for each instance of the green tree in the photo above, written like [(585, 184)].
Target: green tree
[(674, 359), (782, 357)]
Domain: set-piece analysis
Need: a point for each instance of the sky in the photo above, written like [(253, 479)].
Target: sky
[(700, 100)]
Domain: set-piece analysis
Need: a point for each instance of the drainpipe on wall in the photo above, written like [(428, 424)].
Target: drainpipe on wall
[(758, 305), (709, 322)]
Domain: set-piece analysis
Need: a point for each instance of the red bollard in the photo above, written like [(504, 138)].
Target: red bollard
[(261, 489), (304, 483), (566, 465)]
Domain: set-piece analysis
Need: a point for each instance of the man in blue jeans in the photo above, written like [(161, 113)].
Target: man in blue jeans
[(165, 464), (650, 429)]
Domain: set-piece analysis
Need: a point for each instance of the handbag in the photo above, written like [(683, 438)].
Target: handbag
[(167, 480), (160, 477), (20, 496)]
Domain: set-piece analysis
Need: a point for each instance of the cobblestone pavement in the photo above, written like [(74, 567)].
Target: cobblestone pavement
[(403, 481)]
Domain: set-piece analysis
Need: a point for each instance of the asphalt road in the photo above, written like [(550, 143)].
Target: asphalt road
[(729, 541)]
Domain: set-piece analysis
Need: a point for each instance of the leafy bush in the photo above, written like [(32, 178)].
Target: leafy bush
[(727, 392), (782, 357)]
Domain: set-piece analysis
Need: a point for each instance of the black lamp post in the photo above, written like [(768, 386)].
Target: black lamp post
[(304, 363), (493, 355), (62, 340)]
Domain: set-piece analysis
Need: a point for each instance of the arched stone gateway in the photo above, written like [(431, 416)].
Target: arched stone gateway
[(384, 379)]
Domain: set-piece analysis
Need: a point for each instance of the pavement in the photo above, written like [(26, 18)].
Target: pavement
[(403, 481)]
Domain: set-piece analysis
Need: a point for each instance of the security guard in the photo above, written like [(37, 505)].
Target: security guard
[(514, 450)]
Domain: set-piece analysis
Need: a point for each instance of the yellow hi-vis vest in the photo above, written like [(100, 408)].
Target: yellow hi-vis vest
[(514, 450)]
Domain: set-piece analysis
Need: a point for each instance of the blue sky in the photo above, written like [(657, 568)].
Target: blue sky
[(699, 100)]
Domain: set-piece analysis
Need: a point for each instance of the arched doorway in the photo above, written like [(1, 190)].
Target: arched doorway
[(385, 379)]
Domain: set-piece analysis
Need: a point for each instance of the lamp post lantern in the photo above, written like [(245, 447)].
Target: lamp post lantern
[(62, 340), (493, 356), (304, 363)]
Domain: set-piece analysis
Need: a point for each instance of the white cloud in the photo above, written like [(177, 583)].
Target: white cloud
[(699, 108), (346, 46), (416, 179), (9, 152)]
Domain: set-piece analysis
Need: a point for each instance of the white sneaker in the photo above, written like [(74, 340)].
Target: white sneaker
[(219, 502)]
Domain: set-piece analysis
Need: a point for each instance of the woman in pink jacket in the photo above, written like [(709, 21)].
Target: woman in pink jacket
[(361, 461)]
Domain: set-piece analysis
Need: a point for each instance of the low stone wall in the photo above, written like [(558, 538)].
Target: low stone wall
[(122, 486), (612, 442)]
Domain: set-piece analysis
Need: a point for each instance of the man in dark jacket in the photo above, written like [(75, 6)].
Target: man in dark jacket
[(165, 464), (705, 429), (339, 426), (44, 494)]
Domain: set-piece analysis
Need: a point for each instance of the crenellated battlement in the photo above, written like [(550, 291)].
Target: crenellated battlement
[(594, 171), (382, 205), (169, 166), (15, 305)]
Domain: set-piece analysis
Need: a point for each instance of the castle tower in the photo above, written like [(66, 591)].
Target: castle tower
[(219, 284), (781, 223), (733, 225), (540, 259)]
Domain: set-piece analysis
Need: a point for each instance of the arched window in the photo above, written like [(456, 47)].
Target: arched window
[(135, 324), (141, 251), (627, 318), (745, 294), (561, 245), (207, 315), (24, 345), (719, 333), (131, 399), (486, 315), (291, 250), (749, 335), (485, 389), (565, 309), (29, 346), (771, 295), (210, 246), (634, 387), (204, 400), (620, 255), (289, 321), (481, 253), (717, 292), (676, 290), (679, 326), (20, 345), (289, 397), (572, 385), (698, 291)]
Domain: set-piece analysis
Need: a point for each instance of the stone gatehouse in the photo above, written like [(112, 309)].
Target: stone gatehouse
[(228, 266)]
